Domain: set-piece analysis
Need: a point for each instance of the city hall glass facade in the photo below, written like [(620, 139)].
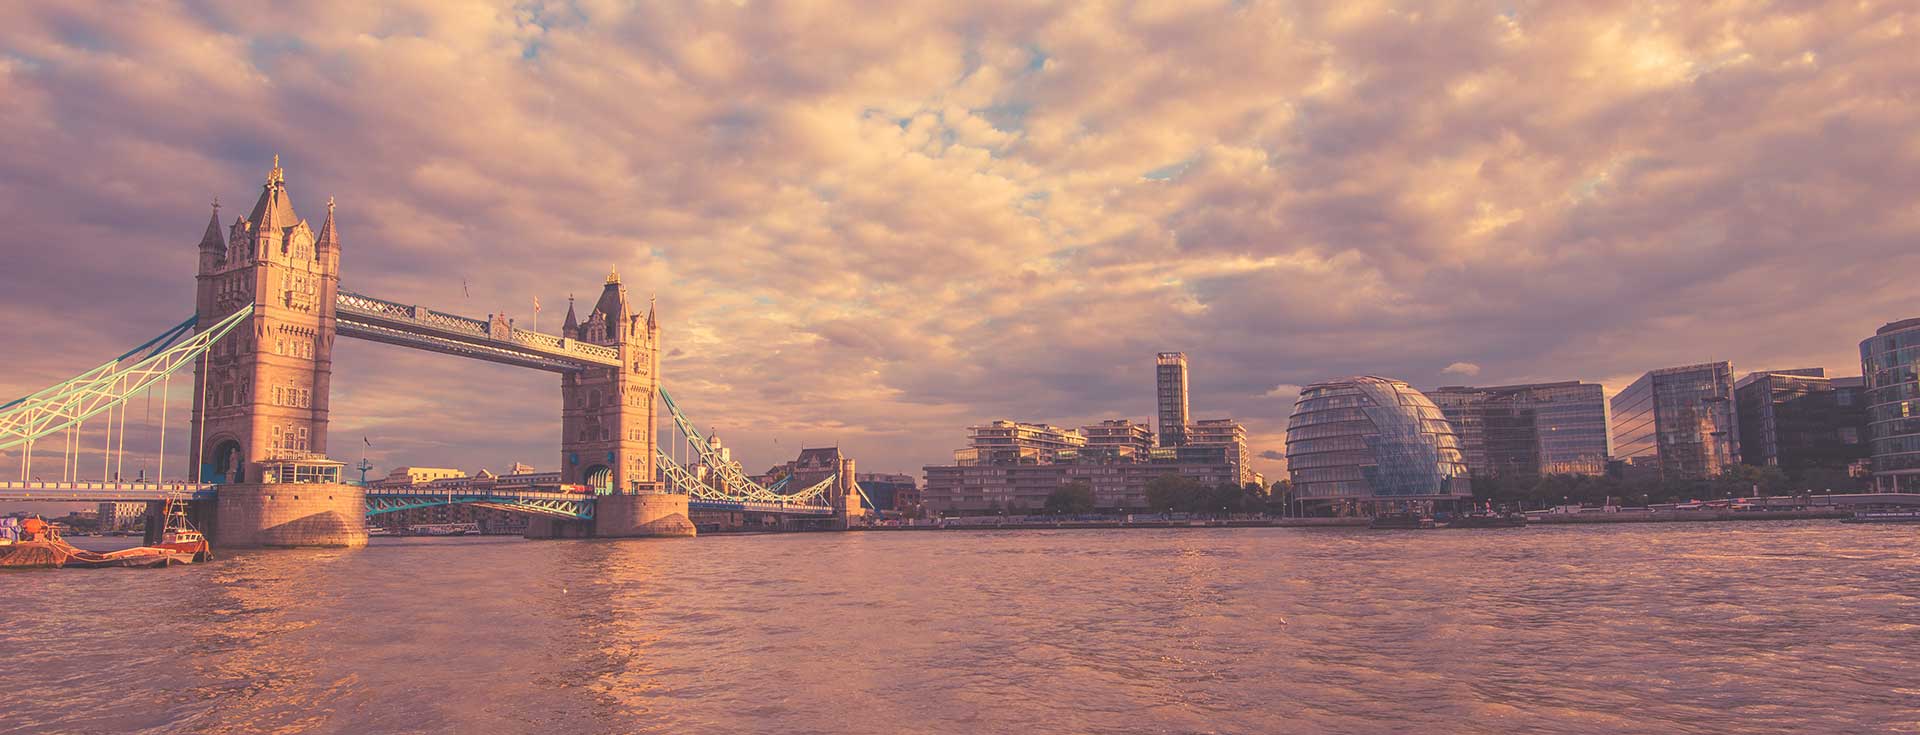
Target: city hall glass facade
[(1677, 424), (1373, 441), (1890, 361), (1524, 431)]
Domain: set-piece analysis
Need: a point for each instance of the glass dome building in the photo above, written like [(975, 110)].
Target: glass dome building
[(1372, 444)]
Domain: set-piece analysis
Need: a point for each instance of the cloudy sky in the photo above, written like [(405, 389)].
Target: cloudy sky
[(876, 226)]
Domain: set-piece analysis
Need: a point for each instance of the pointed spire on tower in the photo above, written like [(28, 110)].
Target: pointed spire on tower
[(652, 323), (274, 211), (613, 275), (329, 238), (213, 240), (613, 303), (572, 324)]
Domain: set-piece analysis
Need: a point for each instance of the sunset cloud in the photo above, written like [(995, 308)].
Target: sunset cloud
[(875, 228)]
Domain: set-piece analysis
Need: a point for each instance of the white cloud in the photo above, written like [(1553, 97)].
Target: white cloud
[(881, 230)]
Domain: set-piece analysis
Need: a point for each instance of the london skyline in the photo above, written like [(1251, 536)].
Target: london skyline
[(879, 246)]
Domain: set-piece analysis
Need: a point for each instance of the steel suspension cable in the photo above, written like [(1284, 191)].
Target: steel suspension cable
[(106, 450), (120, 456), (166, 388)]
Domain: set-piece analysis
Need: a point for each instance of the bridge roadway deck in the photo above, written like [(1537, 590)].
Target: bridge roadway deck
[(103, 492)]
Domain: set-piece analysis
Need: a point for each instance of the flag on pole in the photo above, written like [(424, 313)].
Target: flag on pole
[(536, 304), (368, 441)]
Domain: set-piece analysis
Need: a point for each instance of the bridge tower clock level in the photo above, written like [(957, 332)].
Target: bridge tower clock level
[(261, 392), (609, 413)]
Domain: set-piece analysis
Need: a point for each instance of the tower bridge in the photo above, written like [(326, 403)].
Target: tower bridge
[(268, 307)]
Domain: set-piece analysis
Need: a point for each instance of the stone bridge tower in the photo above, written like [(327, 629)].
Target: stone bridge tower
[(609, 414), (262, 390)]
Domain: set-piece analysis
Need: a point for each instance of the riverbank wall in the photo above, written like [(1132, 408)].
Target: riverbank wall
[(1659, 516)]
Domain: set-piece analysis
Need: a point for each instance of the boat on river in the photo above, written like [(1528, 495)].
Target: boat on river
[(1402, 521), (40, 547), (1487, 520), (1890, 516)]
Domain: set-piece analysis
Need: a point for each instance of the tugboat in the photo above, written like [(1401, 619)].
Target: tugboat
[(176, 534), (1404, 521)]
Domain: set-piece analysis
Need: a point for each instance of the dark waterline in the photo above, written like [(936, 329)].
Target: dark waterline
[(1697, 628)]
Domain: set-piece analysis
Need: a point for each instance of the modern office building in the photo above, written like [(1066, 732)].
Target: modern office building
[(1677, 424), (1369, 444), (1799, 420), (1890, 363), (1171, 382), (1520, 432)]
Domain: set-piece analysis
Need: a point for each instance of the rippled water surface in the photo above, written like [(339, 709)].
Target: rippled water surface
[(1695, 628)]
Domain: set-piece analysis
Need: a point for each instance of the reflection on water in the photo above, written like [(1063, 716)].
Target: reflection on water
[(1753, 627)]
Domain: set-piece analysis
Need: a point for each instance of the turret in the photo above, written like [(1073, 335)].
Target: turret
[(213, 246), (326, 246)]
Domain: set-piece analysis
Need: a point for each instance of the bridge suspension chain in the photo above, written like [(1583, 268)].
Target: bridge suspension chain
[(66, 404), (685, 481)]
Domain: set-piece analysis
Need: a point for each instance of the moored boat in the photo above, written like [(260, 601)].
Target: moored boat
[(1402, 521), (1487, 520), (1890, 516)]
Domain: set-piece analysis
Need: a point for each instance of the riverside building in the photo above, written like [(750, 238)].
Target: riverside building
[(1012, 467), (1799, 420), (1890, 362), (1170, 372), (1521, 432), (1368, 444), (1677, 424)]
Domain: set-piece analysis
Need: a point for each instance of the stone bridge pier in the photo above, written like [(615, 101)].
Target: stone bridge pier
[(284, 515)]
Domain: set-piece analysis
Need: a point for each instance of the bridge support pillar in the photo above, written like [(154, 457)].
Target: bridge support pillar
[(289, 516), (642, 514)]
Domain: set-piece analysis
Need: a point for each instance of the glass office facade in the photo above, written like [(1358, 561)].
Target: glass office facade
[(1890, 361), (1677, 424), (1373, 443), (1525, 431), (1800, 419)]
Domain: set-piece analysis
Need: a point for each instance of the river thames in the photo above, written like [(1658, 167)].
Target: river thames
[(1660, 628)]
